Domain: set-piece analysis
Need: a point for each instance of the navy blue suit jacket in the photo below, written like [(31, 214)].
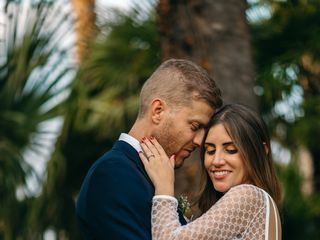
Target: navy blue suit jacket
[(116, 197)]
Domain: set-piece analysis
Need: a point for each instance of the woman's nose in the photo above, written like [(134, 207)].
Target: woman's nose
[(218, 158)]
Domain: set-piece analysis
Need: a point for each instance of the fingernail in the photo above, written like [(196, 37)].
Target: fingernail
[(151, 137)]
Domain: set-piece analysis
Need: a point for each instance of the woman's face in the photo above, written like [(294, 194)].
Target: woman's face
[(222, 160)]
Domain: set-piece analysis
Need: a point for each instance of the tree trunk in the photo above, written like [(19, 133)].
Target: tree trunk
[(215, 35), (310, 82), (85, 25), (306, 168)]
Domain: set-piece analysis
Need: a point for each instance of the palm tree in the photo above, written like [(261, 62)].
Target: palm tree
[(31, 75), (85, 25), (103, 102)]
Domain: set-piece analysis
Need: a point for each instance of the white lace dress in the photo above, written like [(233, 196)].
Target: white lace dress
[(244, 212)]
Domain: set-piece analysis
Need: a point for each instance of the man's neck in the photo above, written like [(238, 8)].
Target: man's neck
[(140, 129)]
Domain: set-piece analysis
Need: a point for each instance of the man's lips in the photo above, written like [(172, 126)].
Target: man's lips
[(185, 152), (189, 151)]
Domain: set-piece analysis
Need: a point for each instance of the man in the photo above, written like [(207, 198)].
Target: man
[(176, 103)]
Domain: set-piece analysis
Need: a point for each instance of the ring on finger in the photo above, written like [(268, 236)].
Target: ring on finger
[(150, 156)]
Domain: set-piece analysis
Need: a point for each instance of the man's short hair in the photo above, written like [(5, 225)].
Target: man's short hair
[(178, 82)]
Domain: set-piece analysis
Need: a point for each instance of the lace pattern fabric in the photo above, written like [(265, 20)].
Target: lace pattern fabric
[(240, 214)]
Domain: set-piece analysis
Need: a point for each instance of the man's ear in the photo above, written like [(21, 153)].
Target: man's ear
[(158, 106)]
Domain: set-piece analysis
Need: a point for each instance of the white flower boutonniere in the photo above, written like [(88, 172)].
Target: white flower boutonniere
[(183, 204)]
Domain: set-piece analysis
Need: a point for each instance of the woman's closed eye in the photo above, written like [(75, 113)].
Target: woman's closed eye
[(231, 149), (210, 150)]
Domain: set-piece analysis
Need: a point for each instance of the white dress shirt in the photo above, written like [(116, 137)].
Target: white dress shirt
[(131, 141)]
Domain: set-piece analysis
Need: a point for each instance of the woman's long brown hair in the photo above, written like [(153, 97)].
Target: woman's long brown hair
[(250, 135)]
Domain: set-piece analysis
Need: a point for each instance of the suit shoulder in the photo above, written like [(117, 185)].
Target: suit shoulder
[(111, 158)]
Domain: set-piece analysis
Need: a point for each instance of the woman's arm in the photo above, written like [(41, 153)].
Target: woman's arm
[(228, 218)]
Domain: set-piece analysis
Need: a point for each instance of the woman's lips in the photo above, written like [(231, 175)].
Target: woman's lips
[(220, 174)]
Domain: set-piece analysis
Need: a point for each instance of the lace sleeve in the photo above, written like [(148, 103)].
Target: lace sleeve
[(229, 218)]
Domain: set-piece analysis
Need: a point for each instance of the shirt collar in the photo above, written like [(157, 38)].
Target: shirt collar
[(131, 141)]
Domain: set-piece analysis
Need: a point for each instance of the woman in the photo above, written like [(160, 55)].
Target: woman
[(240, 191)]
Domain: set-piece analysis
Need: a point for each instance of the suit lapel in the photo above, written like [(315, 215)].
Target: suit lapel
[(133, 155)]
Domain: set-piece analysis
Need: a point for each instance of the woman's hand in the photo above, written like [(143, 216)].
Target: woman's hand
[(158, 165)]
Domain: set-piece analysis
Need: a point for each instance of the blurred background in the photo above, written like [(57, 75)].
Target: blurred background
[(70, 75)]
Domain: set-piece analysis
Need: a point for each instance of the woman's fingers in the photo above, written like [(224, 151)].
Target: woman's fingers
[(158, 147), (146, 150), (152, 149), (144, 159), (151, 146), (158, 166), (172, 160)]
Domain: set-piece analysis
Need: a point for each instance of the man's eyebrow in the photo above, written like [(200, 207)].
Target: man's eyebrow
[(197, 121)]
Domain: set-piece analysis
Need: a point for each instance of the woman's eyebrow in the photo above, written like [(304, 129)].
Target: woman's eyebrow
[(209, 144), (213, 145), (228, 143)]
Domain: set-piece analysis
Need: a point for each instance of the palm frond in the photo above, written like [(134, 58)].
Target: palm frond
[(34, 69)]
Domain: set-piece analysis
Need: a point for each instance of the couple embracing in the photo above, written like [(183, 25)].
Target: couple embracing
[(129, 192)]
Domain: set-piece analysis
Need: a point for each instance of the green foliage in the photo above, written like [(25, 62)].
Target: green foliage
[(281, 43), (300, 213), (286, 51), (31, 73), (103, 102), (112, 73)]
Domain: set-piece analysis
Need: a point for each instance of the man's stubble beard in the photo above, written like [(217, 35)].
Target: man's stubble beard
[(167, 139)]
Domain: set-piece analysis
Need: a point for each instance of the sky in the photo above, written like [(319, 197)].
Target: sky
[(123, 4)]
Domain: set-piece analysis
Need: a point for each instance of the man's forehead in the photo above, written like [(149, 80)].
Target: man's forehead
[(197, 110), (200, 118)]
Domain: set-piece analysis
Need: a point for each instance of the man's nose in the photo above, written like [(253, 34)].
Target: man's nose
[(197, 140)]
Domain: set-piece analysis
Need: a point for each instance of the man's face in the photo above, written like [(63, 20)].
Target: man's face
[(183, 130)]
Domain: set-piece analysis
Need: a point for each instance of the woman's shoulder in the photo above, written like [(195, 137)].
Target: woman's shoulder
[(247, 194), (243, 201), (246, 187)]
